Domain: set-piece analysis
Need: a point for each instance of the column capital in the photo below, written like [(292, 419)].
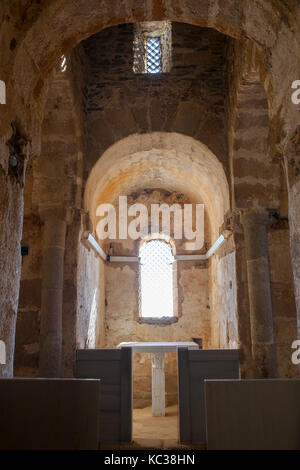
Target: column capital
[(254, 218)]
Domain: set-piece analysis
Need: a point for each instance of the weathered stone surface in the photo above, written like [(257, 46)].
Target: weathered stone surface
[(232, 94), (119, 102), (122, 306), (30, 293)]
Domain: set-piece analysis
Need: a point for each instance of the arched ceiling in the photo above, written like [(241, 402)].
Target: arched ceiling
[(169, 161), (43, 31), (58, 26)]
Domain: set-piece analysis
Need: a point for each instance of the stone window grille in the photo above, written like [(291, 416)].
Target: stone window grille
[(63, 63), (156, 279), (152, 47), (153, 55)]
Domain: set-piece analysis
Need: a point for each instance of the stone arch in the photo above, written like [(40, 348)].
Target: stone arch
[(52, 30), (191, 168), (143, 104), (173, 162), (34, 50)]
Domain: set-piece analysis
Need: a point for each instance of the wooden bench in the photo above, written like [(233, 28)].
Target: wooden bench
[(253, 414), (49, 414)]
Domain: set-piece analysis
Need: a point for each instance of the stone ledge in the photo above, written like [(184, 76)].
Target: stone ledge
[(158, 321)]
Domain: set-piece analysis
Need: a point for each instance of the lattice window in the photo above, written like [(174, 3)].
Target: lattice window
[(152, 47), (156, 279), (63, 63), (153, 55)]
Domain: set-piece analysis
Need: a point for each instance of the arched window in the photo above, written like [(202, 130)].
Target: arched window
[(156, 279)]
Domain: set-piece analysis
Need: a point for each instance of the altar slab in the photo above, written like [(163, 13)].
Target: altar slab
[(158, 350)]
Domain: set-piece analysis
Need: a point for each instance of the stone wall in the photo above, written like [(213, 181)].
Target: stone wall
[(283, 299), (259, 185), (53, 185), (189, 99), (122, 316), (33, 36), (29, 309), (33, 42)]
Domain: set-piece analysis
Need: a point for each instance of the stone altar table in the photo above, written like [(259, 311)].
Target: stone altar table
[(158, 350)]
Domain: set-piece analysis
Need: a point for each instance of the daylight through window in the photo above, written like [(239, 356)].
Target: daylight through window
[(152, 47), (153, 55), (156, 279), (63, 63)]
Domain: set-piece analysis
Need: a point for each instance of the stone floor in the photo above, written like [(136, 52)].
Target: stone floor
[(154, 432)]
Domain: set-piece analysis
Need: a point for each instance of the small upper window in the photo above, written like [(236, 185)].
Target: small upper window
[(153, 55), (63, 63), (152, 47), (156, 279)]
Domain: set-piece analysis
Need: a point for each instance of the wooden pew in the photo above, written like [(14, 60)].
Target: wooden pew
[(49, 414), (253, 414), (114, 368), (193, 368)]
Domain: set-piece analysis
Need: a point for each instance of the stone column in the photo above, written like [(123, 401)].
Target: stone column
[(11, 222), (158, 384), (52, 294), (261, 315)]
